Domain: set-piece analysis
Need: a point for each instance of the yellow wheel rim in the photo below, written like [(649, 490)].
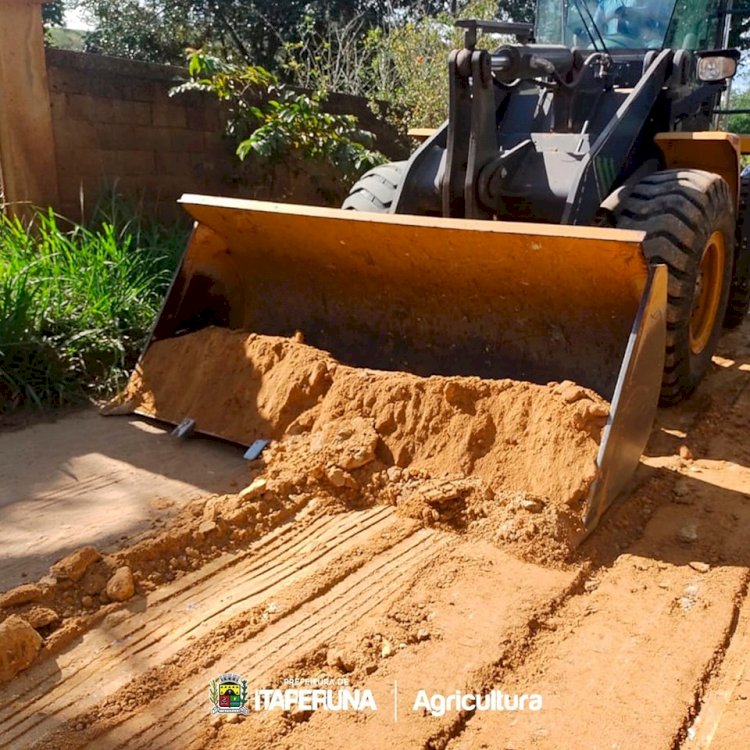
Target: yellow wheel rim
[(707, 292)]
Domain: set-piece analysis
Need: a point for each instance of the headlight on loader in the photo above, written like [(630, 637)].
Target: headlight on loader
[(716, 67)]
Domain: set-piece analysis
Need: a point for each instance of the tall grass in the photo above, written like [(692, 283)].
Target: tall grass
[(76, 303)]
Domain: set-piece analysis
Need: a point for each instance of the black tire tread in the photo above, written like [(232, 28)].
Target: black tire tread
[(739, 293), (679, 209), (376, 189)]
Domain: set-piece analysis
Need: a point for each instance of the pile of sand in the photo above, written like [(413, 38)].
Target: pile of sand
[(507, 461), (233, 384), (510, 459)]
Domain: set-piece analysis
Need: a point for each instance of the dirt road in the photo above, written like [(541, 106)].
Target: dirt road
[(87, 480), (641, 639)]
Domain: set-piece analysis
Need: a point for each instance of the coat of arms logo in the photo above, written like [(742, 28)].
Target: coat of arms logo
[(228, 693)]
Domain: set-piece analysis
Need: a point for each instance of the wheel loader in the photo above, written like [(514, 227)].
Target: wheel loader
[(576, 218)]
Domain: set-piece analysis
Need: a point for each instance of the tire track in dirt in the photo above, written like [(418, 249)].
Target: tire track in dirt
[(257, 658), (458, 637), (723, 723), (619, 675), (151, 631), (720, 716), (628, 661)]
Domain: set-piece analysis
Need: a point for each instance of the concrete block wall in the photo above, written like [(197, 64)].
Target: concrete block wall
[(115, 126)]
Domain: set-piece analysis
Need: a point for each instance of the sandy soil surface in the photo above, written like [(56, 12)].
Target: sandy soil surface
[(88, 480), (359, 553)]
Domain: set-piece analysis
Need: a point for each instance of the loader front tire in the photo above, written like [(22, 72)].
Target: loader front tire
[(689, 219), (376, 189)]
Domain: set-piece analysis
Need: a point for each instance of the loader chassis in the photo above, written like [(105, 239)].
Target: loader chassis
[(546, 132)]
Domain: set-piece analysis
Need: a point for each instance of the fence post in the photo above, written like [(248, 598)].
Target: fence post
[(27, 146)]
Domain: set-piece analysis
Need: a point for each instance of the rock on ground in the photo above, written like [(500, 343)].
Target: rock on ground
[(28, 592), (121, 586), (19, 645), (75, 565)]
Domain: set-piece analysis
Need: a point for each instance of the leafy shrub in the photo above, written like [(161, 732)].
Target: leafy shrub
[(277, 123), (410, 63), (403, 62)]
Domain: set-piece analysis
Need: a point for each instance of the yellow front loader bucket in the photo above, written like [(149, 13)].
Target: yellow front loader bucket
[(433, 296)]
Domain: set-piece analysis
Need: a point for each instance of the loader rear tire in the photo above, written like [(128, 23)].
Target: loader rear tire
[(739, 291), (376, 189), (688, 217)]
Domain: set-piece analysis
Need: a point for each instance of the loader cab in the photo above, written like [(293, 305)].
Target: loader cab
[(619, 25)]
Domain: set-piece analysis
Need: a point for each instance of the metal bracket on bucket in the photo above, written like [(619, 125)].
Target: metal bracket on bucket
[(184, 429)]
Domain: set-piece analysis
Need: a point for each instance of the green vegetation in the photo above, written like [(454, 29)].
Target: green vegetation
[(402, 61), (269, 120), (391, 51), (739, 123), (53, 12), (410, 63), (66, 39), (76, 304), (252, 32)]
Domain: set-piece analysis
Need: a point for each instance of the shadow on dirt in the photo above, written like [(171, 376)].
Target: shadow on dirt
[(691, 501), (90, 480)]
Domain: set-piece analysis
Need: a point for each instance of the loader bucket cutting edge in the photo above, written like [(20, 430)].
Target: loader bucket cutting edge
[(436, 296)]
